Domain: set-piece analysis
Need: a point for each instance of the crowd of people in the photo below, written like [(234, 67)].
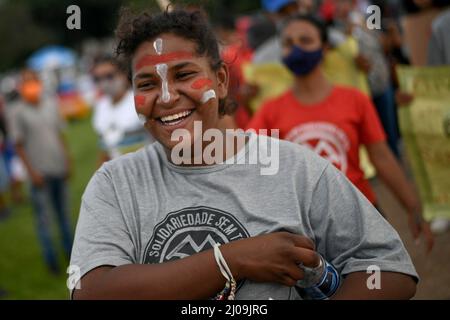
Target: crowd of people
[(340, 121)]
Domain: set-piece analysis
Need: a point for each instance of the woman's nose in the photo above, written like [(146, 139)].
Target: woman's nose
[(168, 94)]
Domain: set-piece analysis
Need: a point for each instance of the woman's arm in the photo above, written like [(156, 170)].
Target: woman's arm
[(395, 286), (390, 171), (392, 175), (36, 177), (267, 258), (195, 277), (67, 156)]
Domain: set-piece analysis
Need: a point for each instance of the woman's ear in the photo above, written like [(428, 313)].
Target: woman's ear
[(223, 78)]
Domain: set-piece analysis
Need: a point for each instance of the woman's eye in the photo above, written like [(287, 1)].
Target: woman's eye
[(184, 74), (145, 86)]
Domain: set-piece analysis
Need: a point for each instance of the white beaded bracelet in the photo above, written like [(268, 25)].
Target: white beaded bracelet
[(226, 272)]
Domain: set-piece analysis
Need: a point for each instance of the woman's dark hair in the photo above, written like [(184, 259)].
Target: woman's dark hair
[(314, 20), (109, 59), (410, 7), (261, 29), (134, 29)]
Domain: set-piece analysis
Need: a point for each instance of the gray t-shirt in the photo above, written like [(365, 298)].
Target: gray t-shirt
[(140, 208), (39, 129), (369, 45), (439, 46)]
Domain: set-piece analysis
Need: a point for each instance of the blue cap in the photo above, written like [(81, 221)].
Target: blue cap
[(275, 5)]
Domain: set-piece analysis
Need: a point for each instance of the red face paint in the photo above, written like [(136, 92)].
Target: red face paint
[(164, 58), (200, 83), (139, 101)]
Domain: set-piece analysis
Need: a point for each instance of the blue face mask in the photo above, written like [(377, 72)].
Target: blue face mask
[(302, 62)]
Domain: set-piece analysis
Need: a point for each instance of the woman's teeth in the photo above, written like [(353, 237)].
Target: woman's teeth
[(174, 119)]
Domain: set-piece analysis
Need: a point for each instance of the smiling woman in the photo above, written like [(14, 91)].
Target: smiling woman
[(152, 229), (169, 83)]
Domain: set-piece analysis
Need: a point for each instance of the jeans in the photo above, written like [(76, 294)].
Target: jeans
[(387, 111), (4, 176), (52, 195)]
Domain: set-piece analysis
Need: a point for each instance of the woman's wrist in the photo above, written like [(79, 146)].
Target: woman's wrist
[(229, 291), (414, 207), (234, 261)]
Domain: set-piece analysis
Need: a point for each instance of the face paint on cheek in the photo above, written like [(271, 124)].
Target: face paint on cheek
[(201, 83), (142, 118), (161, 69), (139, 101), (208, 95)]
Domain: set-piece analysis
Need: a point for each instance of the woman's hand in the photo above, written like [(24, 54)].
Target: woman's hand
[(363, 64), (403, 98), (267, 258), (391, 172), (418, 226), (36, 179), (271, 257)]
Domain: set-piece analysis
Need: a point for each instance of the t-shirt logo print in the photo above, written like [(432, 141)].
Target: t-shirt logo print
[(191, 230), (325, 139)]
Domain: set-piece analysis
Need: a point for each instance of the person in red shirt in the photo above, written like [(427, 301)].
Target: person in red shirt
[(334, 121)]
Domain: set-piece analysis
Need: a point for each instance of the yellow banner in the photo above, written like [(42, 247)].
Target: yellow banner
[(425, 127), (339, 66), (272, 80)]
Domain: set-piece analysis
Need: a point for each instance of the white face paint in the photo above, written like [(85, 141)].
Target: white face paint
[(142, 117), (158, 45), (208, 95), (162, 69)]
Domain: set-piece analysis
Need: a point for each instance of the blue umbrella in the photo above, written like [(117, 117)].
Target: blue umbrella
[(51, 57)]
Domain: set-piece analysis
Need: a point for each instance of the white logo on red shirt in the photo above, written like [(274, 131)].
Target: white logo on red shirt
[(325, 139)]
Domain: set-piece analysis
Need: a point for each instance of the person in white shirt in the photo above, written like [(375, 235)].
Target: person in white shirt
[(115, 119)]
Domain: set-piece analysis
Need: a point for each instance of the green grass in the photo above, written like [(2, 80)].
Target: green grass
[(23, 273)]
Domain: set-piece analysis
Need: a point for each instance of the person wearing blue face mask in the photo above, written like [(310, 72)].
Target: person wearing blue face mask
[(334, 121), (301, 62)]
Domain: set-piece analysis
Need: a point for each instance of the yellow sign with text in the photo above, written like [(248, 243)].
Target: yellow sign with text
[(425, 127)]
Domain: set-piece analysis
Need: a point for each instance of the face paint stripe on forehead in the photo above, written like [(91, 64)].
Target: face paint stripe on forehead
[(201, 83), (158, 45), (163, 58)]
